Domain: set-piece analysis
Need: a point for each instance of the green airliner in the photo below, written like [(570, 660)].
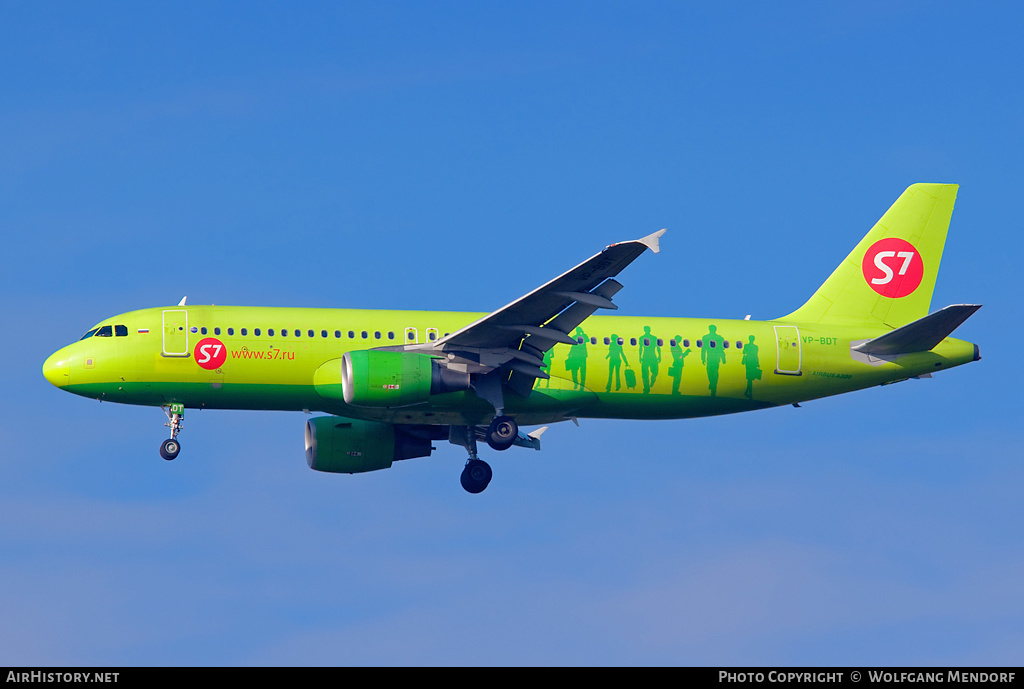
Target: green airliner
[(393, 382)]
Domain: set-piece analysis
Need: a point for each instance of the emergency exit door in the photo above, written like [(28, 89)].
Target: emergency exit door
[(787, 342)]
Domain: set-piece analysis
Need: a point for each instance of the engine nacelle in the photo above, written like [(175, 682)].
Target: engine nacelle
[(371, 378), (349, 446)]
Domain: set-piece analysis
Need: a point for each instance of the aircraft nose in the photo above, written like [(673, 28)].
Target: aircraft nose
[(57, 368)]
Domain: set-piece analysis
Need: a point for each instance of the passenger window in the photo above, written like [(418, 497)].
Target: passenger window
[(391, 335), (216, 331), (686, 343), (725, 344), (632, 341), (245, 331), (593, 340), (270, 332), (364, 334), (432, 336), (376, 335), (231, 331), (351, 334), (337, 334), (607, 340), (660, 342), (323, 333), (700, 343), (672, 342), (647, 342), (620, 341), (121, 330), (311, 333), (203, 330), (194, 330), (256, 332), (739, 345)]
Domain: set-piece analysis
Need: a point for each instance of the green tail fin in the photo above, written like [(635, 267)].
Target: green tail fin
[(889, 277)]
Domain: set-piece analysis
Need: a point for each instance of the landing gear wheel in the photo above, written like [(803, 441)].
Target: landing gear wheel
[(476, 476), (169, 449), (502, 432)]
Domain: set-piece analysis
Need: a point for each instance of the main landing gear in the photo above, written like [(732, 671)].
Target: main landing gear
[(170, 448), (476, 475), (501, 434)]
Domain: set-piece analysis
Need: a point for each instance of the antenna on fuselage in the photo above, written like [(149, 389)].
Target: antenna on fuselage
[(182, 302)]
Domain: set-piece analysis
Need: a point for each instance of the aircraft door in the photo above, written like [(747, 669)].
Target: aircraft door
[(787, 341), (175, 332)]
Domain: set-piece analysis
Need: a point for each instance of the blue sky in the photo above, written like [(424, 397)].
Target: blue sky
[(454, 156)]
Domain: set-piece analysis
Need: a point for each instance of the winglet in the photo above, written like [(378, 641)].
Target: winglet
[(651, 241)]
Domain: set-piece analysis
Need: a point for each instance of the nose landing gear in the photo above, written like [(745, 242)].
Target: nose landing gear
[(170, 448)]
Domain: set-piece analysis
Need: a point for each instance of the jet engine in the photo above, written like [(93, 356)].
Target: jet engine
[(338, 445), (371, 378)]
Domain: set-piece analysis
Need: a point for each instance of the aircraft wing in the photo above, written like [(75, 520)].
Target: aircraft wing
[(515, 337)]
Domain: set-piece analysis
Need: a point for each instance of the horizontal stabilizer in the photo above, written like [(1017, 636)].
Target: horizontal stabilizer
[(921, 335)]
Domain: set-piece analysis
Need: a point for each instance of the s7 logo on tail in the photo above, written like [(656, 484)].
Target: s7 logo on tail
[(893, 267)]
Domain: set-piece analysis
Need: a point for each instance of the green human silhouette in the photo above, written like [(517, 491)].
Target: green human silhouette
[(752, 365), (675, 371), (712, 355), (650, 357), (616, 357), (576, 362)]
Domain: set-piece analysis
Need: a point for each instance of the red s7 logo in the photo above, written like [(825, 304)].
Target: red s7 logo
[(893, 267), (210, 353)]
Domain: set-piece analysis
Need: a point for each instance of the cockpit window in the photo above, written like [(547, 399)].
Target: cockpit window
[(88, 334), (105, 331), (121, 330)]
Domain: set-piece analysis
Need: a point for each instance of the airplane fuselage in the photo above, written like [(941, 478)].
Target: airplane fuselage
[(230, 357)]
